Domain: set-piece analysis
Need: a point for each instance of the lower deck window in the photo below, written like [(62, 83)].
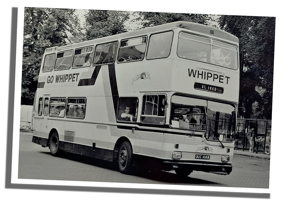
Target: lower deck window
[(76, 108), (57, 107)]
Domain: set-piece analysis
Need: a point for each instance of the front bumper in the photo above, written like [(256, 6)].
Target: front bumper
[(216, 168)]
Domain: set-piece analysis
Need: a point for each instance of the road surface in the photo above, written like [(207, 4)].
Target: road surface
[(36, 162)]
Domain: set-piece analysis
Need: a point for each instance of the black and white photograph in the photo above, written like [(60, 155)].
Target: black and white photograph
[(137, 99)]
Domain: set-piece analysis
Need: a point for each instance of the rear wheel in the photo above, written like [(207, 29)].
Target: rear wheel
[(54, 144), (125, 157), (183, 172)]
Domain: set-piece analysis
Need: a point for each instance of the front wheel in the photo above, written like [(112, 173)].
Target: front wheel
[(54, 144), (125, 157), (183, 172)]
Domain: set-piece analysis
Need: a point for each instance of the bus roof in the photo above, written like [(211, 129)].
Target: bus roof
[(179, 24)]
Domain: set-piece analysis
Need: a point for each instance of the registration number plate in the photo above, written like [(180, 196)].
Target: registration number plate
[(205, 157)]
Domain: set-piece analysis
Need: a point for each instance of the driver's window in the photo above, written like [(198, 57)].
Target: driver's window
[(127, 109)]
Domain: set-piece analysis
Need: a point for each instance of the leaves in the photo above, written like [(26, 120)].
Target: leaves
[(257, 38), (101, 23), (156, 18), (43, 28)]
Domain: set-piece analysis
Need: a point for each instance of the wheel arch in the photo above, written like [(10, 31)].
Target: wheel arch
[(117, 145), (53, 130)]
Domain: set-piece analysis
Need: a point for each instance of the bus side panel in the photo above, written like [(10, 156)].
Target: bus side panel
[(151, 75)]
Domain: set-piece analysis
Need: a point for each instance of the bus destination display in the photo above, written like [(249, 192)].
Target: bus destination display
[(210, 88)]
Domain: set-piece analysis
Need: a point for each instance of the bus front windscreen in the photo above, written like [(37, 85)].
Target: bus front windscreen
[(216, 119), (221, 121)]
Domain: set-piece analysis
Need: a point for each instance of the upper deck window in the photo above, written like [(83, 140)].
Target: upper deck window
[(224, 54), (49, 62), (132, 49), (207, 50), (83, 57), (105, 53), (64, 60), (160, 45)]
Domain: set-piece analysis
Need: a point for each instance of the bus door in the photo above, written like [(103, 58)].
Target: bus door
[(38, 115), (153, 117), (42, 115), (45, 113)]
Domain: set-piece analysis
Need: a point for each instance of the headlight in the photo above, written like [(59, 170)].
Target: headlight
[(177, 155), (225, 158)]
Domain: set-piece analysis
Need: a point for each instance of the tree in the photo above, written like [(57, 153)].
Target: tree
[(156, 18), (257, 37), (101, 23), (43, 28)]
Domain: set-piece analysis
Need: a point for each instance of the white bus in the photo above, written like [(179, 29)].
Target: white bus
[(164, 96)]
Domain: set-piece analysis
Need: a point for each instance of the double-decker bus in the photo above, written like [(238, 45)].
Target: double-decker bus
[(165, 97)]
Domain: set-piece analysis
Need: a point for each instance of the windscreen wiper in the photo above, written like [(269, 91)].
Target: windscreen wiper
[(220, 141)]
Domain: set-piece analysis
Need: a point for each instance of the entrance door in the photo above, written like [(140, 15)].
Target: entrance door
[(40, 117), (45, 114)]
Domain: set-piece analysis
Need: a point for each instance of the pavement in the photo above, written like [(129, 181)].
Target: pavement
[(250, 154)]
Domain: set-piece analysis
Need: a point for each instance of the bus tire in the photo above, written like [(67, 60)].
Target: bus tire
[(183, 172), (125, 157), (54, 144)]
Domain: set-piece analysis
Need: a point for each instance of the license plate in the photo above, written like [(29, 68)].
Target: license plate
[(204, 157)]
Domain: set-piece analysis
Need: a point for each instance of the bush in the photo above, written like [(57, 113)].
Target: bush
[(26, 129)]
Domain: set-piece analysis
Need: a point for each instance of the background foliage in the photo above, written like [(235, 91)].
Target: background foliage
[(43, 28)]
